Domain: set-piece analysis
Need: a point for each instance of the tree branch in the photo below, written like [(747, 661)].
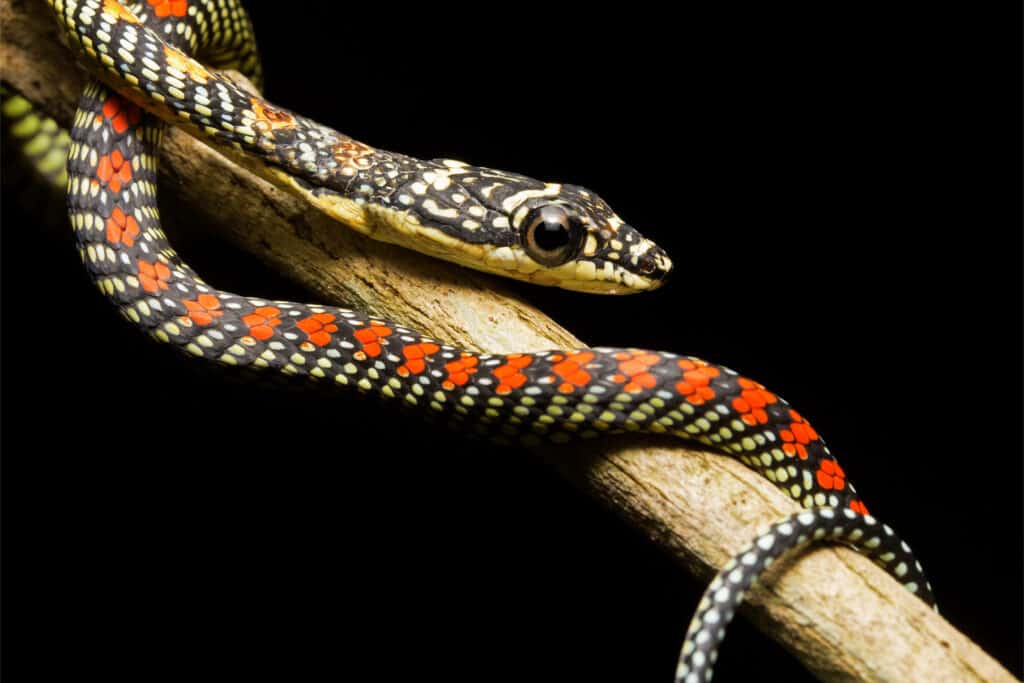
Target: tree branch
[(843, 617)]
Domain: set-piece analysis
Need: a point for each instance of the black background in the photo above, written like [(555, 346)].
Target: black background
[(839, 192)]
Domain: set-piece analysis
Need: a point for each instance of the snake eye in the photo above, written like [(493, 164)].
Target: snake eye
[(551, 236)]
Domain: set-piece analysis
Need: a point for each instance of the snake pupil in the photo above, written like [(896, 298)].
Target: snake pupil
[(551, 235)]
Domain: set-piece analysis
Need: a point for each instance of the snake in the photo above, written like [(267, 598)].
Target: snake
[(143, 57)]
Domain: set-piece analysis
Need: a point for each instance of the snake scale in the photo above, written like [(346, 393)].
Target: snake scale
[(491, 220)]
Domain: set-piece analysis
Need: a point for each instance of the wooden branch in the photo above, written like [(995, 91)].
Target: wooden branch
[(844, 618)]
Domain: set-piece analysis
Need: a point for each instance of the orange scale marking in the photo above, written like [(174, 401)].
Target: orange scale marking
[(509, 374), (120, 113), (164, 8), (203, 309), (122, 228), (262, 322), (153, 276), (459, 371), (318, 328), (571, 371), (114, 170), (752, 401), (830, 476), (634, 369), (697, 376), (371, 337), (416, 357), (859, 507), (797, 436)]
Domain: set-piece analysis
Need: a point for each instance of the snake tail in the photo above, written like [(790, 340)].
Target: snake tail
[(725, 593)]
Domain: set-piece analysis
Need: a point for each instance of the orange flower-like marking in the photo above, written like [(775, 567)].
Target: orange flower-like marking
[(153, 276), (752, 401), (203, 309), (460, 370), (370, 337), (831, 476), (270, 118), (697, 376), (114, 170), (122, 227), (163, 8), (262, 322), (416, 356), (318, 328), (859, 506), (508, 373), (570, 370), (633, 370), (121, 113), (799, 434)]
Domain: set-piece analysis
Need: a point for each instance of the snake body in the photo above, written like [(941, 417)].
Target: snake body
[(491, 220)]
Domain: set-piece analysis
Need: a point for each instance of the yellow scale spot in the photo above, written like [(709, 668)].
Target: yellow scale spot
[(341, 379), (364, 384), (387, 391), (194, 350), (227, 359), (298, 359)]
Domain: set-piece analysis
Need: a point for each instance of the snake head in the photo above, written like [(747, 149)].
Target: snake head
[(581, 244), (546, 233)]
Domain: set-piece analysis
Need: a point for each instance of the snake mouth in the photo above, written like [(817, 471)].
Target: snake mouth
[(604, 277)]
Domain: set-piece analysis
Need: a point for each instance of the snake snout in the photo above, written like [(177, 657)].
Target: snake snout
[(655, 265)]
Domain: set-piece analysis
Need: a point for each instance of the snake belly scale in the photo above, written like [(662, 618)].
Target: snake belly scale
[(487, 219)]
